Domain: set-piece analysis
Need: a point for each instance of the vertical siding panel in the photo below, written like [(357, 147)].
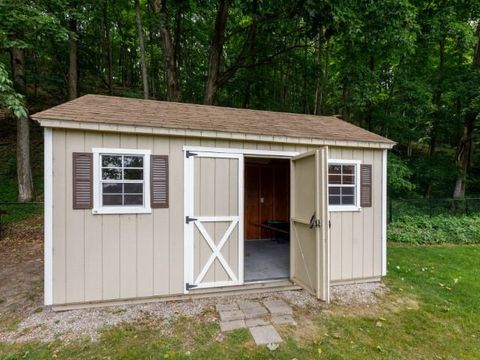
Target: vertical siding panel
[(347, 223), (60, 204), (357, 233), (222, 187), (377, 209), (111, 240), (176, 216), (128, 238), (162, 230), (75, 225), (368, 226), (207, 208), (335, 233), (144, 236), (222, 209), (93, 238)]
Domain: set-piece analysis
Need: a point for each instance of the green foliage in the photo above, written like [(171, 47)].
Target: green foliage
[(399, 177), (438, 229), (11, 100)]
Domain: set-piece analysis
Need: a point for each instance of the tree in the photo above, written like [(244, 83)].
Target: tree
[(161, 10), (138, 18), (463, 157)]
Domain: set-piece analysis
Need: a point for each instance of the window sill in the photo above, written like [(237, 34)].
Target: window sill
[(121, 210), (344, 208)]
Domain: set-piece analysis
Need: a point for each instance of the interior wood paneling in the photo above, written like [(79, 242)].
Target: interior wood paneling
[(267, 194)]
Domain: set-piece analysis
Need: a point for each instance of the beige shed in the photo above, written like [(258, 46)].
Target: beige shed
[(149, 199)]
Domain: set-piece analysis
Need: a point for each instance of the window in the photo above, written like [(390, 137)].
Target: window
[(121, 181), (343, 177)]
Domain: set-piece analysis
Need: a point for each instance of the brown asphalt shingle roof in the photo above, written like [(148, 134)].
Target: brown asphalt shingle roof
[(172, 115)]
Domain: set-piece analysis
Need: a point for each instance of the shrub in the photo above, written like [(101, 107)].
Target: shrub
[(423, 229)]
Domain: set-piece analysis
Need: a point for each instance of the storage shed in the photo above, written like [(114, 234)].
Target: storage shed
[(148, 199)]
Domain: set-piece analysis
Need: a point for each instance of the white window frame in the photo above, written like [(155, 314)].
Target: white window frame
[(356, 207), (98, 208)]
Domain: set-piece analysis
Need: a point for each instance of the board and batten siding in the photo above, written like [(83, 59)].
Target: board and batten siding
[(110, 257), (356, 236)]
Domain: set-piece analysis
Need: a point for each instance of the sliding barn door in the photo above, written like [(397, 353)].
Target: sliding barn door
[(309, 223), (213, 219)]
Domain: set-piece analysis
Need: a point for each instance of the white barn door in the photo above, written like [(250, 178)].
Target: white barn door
[(213, 220)]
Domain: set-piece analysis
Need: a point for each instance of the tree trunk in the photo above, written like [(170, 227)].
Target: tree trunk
[(215, 78), (72, 60), (142, 49), (464, 153), (319, 71), (173, 90), (437, 101), (24, 171), (108, 47), (216, 50)]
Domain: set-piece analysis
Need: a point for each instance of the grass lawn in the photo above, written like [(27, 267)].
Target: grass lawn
[(431, 312)]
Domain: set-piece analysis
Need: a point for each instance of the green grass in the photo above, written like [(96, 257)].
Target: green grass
[(431, 311)]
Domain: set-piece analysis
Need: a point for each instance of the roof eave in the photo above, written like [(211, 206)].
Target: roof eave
[(224, 135)]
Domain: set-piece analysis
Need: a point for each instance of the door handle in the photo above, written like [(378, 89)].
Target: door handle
[(312, 221)]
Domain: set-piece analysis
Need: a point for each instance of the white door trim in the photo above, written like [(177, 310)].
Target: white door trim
[(236, 222), (275, 153)]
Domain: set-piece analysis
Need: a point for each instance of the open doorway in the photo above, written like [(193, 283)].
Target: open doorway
[(267, 219)]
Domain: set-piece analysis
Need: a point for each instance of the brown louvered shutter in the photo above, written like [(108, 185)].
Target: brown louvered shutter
[(159, 181), (366, 185), (82, 180)]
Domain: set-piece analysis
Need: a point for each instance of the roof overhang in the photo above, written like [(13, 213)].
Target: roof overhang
[(147, 130)]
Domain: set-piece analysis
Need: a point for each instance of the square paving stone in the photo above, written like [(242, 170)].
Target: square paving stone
[(255, 312), (230, 315), (256, 322), (278, 307), (248, 304), (226, 307), (283, 319), (232, 325), (264, 335)]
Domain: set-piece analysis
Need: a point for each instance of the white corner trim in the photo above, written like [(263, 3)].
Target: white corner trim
[(98, 209), (384, 213), (48, 216), (350, 208)]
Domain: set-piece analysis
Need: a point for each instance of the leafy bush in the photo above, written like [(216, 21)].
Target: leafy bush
[(423, 229)]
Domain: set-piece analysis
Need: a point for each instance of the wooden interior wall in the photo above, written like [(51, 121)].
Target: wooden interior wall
[(270, 180)]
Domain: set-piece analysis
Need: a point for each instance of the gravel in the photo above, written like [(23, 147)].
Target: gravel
[(357, 294), (48, 325)]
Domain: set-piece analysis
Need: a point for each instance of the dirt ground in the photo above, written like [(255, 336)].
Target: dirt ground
[(21, 271)]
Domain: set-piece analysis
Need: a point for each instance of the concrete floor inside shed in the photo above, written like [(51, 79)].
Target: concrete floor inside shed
[(266, 260)]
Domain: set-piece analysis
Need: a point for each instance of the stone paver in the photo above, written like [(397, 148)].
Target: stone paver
[(248, 304), (283, 319), (230, 315), (255, 312), (264, 335), (226, 307), (256, 322), (278, 307), (232, 325)]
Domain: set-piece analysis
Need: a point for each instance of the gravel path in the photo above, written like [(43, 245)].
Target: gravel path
[(70, 325)]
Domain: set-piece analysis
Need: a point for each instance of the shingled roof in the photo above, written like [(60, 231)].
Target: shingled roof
[(172, 115)]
